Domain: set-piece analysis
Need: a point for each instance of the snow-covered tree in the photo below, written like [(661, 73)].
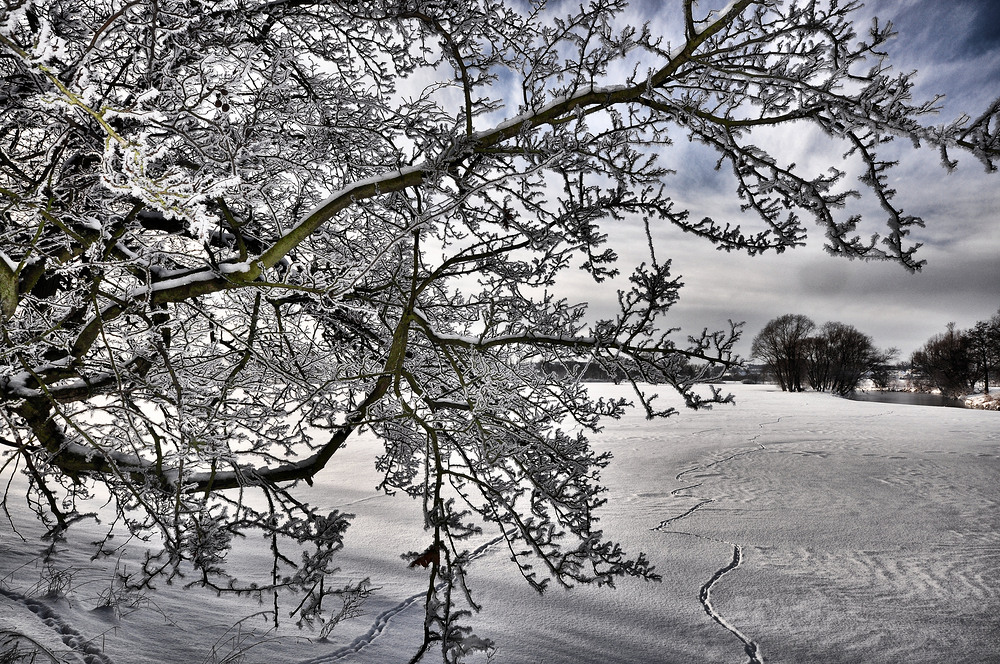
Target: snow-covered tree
[(236, 233)]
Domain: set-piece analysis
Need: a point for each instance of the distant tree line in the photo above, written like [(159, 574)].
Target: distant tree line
[(955, 361), (833, 358)]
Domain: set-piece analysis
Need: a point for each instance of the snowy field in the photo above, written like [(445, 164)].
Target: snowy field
[(787, 528)]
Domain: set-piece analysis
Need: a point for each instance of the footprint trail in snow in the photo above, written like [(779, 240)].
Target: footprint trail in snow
[(77, 642), (383, 619), (750, 647), (705, 596)]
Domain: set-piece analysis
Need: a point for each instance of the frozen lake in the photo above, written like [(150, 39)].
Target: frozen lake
[(787, 528), (908, 399)]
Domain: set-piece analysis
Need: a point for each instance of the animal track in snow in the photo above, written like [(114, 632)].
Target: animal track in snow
[(705, 597), (363, 641), (681, 516), (76, 641), (735, 455), (382, 620), (750, 647)]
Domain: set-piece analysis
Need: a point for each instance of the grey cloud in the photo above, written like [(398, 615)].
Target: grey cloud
[(955, 48)]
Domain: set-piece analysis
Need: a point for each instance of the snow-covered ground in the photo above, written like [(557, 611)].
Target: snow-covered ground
[(787, 528)]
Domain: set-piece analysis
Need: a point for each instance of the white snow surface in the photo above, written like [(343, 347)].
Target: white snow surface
[(787, 528)]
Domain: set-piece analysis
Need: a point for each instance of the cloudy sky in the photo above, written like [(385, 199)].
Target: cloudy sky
[(955, 48)]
